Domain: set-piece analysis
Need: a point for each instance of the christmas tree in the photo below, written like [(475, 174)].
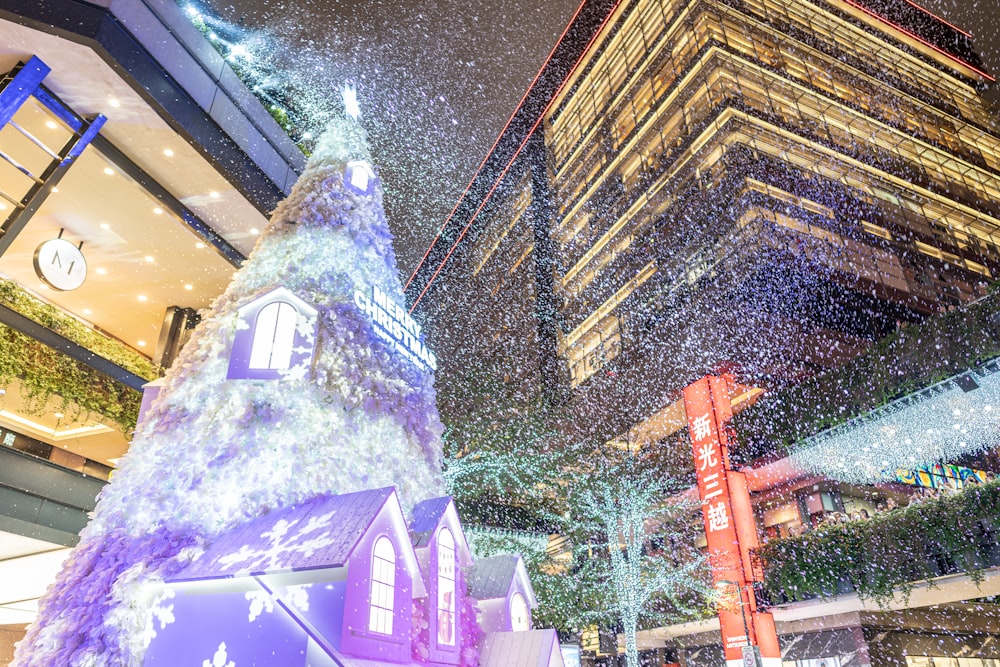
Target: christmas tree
[(340, 401)]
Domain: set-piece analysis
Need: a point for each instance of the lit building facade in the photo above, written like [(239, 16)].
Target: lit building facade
[(832, 168), (761, 188)]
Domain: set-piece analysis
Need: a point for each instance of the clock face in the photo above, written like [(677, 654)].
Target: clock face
[(359, 177), (60, 264)]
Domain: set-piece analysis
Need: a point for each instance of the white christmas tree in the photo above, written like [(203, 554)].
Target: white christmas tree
[(212, 452)]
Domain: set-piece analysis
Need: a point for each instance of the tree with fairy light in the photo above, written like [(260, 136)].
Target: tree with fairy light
[(239, 429), (634, 533), (629, 533)]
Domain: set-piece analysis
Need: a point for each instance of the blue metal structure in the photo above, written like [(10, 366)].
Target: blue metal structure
[(21, 84)]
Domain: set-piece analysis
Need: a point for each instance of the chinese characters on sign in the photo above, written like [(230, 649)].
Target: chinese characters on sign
[(729, 523)]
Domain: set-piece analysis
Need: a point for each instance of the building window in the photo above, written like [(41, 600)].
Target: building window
[(446, 588), (273, 335), (383, 591), (519, 620)]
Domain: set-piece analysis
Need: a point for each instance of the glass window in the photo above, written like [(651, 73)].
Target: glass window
[(380, 605), (519, 620), (446, 588), (273, 334)]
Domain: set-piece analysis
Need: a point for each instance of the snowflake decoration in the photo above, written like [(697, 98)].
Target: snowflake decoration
[(219, 659)]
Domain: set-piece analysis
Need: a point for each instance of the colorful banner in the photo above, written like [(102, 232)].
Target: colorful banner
[(941, 475)]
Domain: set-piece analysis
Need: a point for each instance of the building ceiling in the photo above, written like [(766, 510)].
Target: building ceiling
[(141, 256)]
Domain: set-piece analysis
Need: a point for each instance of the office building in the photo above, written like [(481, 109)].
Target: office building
[(760, 188)]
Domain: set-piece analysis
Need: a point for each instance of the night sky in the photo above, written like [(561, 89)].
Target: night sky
[(438, 79)]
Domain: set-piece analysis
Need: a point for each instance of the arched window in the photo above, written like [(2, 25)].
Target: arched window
[(383, 592), (273, 336), (446, 588), (519, 619)]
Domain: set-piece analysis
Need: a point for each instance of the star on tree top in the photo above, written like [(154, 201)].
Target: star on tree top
[(351, 106)]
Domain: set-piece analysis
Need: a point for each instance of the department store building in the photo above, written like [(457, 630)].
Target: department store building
[(803, 197)]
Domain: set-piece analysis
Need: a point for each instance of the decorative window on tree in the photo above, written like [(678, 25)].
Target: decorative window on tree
[(383, 591), (520, 620), (446, 588), (360, 177), (275, 337)]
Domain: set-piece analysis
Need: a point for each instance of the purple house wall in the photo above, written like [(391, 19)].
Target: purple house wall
[(432, 518), (293, 588), (335, 582)]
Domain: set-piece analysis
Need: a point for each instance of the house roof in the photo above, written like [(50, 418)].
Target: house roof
[(530, 648), (430, 514), (319, 533), (427, 516), (492, 577)]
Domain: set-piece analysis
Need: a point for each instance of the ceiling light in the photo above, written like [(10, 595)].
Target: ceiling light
[(101, 271), (88, 311), (113, 102), (158, 211), (105, 225), (213, 194), (149, 258), (254, 231), (143, 297), (54, 189), (3, 206), (168, 152), (189, 286), (51, 124), (141, 343), (199, 245), (109, 171)]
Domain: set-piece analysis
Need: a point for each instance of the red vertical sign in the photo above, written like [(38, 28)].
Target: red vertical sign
[(728, 519)]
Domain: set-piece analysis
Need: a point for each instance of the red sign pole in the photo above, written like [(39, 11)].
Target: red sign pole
[(729, 522)]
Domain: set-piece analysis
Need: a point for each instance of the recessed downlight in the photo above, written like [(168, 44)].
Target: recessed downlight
[(168, 152), (109, 171)]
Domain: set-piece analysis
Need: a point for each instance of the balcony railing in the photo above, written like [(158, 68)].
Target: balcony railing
[(44, 501), (890, 553)]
